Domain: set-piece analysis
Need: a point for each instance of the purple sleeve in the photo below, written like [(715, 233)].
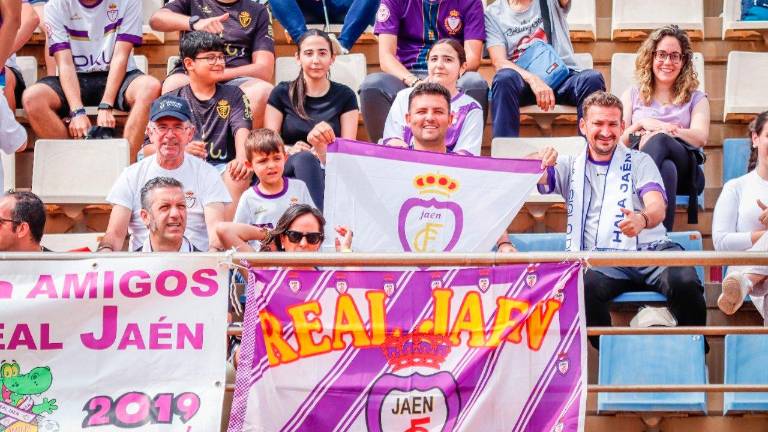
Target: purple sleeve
[(183, 7), (550, 186), (262, 40), (388, 17), (131, 27), (650, 187), (475, 22)]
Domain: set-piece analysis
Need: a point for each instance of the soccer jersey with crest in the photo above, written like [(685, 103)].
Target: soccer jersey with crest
[(218, 119), (248, 28), (263, 210), (91, 31)]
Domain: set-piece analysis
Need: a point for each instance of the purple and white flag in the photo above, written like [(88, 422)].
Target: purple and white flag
[(396, 199), (474, 349)]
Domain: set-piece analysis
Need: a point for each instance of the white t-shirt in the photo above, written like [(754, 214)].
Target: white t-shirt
[(737, 213), (262, 210), (465, 133), (12, 135), (202, 187), (92, 32)]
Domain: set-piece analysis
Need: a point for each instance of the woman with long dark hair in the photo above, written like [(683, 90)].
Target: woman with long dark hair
[(667, 117), (740, 223), (311, 111)]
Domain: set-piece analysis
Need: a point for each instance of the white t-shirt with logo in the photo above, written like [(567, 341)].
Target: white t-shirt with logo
[(91, 32), (202, 187), (262, 210)]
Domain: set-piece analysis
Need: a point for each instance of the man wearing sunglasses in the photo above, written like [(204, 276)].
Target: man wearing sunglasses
[(22, 220), (206, 197)]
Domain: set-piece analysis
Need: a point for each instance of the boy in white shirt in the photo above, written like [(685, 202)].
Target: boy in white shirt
[(261, 205)]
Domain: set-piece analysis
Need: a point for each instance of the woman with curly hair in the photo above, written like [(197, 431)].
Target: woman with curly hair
[(667, 117)]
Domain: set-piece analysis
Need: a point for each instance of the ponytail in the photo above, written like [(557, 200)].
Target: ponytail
[(297, 92)]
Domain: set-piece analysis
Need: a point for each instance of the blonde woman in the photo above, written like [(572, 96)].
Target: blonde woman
[(667, 117)]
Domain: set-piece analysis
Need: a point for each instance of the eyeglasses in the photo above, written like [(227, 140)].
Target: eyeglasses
[(15, 222), (177, 130), (674, 57), (313, 238), (212, 59)]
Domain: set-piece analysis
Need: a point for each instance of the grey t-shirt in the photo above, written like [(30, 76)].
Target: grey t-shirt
[(516, 30), (645, 178)]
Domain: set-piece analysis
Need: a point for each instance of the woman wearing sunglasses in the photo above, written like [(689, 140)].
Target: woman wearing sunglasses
[(667, 116), (300, 229)]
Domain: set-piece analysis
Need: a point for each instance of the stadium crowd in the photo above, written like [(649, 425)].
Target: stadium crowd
[(223, 154)]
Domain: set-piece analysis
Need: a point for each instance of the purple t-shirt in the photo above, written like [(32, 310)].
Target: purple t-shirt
[(248, 28), (418, 24), (676, 114)]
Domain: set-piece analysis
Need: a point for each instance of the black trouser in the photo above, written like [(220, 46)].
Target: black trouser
[(678, 171), (306, 167), (681, 286)]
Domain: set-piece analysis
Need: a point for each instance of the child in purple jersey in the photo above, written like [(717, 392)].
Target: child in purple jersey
[(407, 29), (446, 62), (245, 26), (92, 42)]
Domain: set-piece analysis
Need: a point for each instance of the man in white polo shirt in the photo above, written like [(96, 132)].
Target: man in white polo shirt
[(206, 197)]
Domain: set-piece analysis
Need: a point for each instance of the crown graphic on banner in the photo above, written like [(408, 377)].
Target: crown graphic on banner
[(432, 183), (419, 349)]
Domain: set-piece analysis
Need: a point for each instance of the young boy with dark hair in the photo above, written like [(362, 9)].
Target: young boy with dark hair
[(261, 206), (220, 113)]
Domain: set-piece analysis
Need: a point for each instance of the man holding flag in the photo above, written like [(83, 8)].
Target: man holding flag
[(616, 202)]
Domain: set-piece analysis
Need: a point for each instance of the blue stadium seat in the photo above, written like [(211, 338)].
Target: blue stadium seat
[(735, 157), (746, 357), (546, 242), (641, 360), (690, 241)]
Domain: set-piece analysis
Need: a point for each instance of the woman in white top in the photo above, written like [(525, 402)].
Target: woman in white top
[(740, 223), (446, 62)]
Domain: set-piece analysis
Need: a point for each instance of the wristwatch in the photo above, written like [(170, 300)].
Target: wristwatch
[(192, 21), (78, 112), (105, 106)]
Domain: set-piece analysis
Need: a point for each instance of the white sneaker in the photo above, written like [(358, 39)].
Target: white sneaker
[(336, 45), (653, 316), (736, 286)]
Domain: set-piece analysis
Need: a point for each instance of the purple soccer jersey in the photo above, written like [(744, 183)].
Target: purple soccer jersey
[(418, 24)]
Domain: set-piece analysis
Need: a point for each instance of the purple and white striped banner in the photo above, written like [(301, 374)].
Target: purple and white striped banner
[(474, 349)]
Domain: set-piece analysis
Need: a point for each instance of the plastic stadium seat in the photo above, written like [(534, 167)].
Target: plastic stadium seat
[(522, 147), (736, 153), (28, 67), (735, 28), (746, 357), (690, 241), (545, 119), (582, 20), (77, 171), (632, 19), (349, 69), (545, 242), (623, 71), (9, 171), (70, 242), (746, 89), (142, 63), (148, 8), (675, 359)]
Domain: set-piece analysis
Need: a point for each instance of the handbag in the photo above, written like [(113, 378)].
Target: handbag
[(541, 59)]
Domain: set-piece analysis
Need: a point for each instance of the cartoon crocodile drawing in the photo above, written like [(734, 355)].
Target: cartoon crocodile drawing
[(18, 410)]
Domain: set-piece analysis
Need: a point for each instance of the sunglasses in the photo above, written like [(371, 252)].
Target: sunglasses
[(313, 238)]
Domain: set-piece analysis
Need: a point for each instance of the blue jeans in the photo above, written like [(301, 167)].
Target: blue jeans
[(509, 92), (356, 15)]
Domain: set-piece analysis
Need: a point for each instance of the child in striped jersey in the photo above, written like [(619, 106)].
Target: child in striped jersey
[(261, 205)]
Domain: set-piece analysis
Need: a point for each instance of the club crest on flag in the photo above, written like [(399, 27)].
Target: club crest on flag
[(293, 282), (428, 224), (389, 285), (437, 281), (417, 401), (341, 284), (562, 363), (484, 282)]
